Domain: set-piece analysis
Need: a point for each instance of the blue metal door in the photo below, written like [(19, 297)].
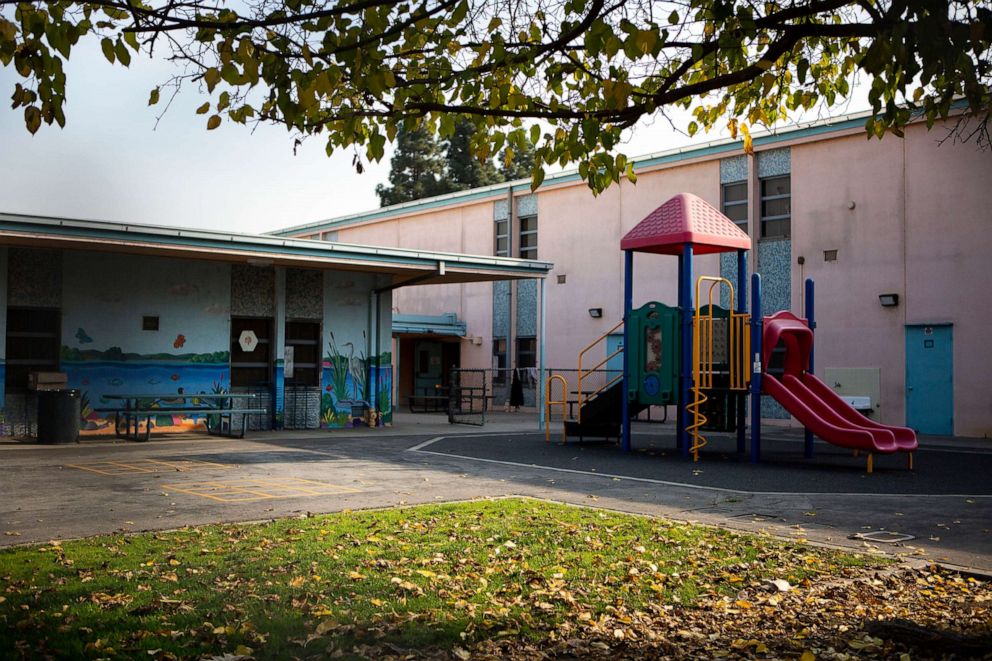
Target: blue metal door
[(930, 379)]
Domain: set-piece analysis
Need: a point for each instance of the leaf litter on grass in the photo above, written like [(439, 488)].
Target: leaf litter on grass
[(512, 578)]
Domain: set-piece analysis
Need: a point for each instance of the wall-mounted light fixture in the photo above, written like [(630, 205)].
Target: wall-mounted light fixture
[(888, 300), (595, 313)]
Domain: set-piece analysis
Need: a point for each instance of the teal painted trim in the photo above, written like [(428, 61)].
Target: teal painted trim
[(525, 268), (570, 176), (396, 210), (445, 324)]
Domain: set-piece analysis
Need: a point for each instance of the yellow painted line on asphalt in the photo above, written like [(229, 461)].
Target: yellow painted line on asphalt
[(142, 466), (247, 490)]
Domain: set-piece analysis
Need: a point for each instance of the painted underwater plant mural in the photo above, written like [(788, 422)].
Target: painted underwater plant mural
[(344, 382)]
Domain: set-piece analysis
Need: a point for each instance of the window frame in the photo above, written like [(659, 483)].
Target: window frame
[(724, 204), (522, 249), (505, 235), (530, 352), (766, 220), (18, 366)]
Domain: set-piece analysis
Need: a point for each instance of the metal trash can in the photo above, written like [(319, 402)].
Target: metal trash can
[(58, 416)]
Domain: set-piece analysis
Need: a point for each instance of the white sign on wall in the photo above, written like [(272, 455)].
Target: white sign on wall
[(248, 341)]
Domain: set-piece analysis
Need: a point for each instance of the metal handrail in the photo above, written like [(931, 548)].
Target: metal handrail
[(548, 402), (585, 373)]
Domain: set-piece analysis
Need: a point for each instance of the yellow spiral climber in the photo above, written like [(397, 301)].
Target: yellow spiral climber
[(698, 420)]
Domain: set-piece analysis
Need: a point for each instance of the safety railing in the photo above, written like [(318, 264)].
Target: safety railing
[(549, 403), (586, 372), (737, 352), (738, 346)]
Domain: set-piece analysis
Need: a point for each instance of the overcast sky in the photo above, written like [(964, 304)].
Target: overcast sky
[(111, 162)]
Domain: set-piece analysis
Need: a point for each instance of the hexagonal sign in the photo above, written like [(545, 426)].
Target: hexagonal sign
[(248, 341)]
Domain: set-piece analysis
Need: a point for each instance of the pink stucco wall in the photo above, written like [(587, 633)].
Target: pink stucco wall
[(919, 227)]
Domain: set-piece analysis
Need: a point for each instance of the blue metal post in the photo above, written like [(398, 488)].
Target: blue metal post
[(757, 327), (628, 304), (685, 377), (810, 320), (742, 308)]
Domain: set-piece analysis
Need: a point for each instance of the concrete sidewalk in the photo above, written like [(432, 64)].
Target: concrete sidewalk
[(51, 492)]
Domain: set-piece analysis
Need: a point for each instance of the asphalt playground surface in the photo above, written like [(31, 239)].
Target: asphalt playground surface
[(944, 506)]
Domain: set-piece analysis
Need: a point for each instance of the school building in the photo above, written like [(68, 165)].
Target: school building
[(895, 233), (128, 311)]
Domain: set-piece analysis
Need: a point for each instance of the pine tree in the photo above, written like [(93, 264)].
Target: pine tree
[(465, 170), (416, 170), (520, 165)]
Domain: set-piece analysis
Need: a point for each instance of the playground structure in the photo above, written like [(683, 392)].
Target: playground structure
[(706, 359)]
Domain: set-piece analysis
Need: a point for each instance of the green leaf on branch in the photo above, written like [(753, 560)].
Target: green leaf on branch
[(213, 122), (108, 49), (32, 119), (153, 97)]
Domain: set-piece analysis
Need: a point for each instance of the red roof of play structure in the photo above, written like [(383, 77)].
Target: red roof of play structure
[(685, 219)]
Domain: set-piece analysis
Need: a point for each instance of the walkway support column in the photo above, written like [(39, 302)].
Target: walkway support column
[(279, 354), (628, 304), (540, 354)]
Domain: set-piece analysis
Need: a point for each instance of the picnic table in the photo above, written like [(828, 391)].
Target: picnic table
[(219, 409)]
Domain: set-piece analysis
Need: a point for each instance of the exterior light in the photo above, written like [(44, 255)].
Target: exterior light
[(595, 313), (888, 300)]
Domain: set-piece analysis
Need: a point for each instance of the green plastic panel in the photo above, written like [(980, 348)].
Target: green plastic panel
[(654, 354)]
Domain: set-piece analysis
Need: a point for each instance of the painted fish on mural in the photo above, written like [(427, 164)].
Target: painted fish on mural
[(180, 341), (174, 377), (116, 381), (82, 336), (154, 381)]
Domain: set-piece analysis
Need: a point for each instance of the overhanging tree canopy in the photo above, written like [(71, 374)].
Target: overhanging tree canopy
[(566, 76)]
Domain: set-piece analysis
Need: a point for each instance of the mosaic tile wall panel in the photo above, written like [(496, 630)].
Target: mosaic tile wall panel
[(501, 308), (527, 205), (728, 270), (500, 209), (527, 308), (304, 294), (34, 278), (775, 264), (253, 291), (775, 162), (733, 169)]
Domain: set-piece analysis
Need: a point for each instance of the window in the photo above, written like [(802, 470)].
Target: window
[(32, 344), (304, 339), (251, 368), (502, 248), (499, 360), (735, 203), (528, 237), (776, 207), (526, 352)]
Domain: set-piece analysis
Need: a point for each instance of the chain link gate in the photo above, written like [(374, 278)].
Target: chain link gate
[(468, 397)]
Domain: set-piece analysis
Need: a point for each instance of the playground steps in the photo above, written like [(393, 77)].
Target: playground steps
[(601, 415)]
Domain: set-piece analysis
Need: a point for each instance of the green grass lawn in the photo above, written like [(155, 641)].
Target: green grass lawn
[(508, 577)]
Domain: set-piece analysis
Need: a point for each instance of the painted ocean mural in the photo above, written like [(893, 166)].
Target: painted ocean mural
[(96, 376)]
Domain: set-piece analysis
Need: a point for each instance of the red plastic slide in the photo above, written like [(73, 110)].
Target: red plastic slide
[(819, 418), (813, 403)]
